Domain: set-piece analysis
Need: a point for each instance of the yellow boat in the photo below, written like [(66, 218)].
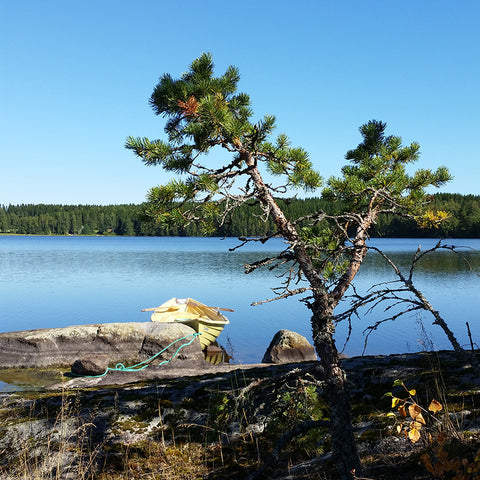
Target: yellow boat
[(208, 321)]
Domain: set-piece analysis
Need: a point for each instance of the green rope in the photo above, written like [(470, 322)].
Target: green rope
[(120, 367)]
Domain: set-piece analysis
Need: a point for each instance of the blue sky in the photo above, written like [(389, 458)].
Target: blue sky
[(77, 75)]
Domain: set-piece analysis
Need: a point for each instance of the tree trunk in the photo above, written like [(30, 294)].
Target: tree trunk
[(344, 450), (323, 327)]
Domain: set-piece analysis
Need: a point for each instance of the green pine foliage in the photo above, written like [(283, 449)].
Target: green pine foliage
[(247, 220)]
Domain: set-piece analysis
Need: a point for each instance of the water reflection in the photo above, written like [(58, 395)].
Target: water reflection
[(59, 281)]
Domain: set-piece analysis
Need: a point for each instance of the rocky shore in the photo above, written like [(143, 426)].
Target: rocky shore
[(190, 419), (238, 411), (118, 342), (161, 350)]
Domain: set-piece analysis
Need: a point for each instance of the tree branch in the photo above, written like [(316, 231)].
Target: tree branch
[(288, 293)]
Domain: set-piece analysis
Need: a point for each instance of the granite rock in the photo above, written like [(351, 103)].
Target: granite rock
[(289, 347), (91, 365), (120, 342)]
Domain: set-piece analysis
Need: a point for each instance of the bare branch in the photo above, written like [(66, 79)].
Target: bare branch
[(374, 327), (246, 240), (288, 293), (407, 294)]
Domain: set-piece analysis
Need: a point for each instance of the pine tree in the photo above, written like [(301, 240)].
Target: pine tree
[(205, 113)]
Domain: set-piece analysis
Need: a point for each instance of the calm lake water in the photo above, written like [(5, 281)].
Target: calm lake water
[(61, 281)]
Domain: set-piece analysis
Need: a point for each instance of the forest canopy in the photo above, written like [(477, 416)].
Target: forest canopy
[(126, 220)]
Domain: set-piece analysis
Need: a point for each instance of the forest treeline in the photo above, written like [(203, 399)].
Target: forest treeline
[(464, 221)]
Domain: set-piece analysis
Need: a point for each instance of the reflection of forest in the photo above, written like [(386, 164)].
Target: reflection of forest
[(464, 221), (440, 261)]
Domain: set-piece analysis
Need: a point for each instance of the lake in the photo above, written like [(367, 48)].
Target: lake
[(59, 281)]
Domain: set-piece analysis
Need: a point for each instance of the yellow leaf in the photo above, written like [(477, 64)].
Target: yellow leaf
[(419, 419), (416, 413), (435, 406), (395, 402), (432, 219), (399, 428), (402, 410), (412, 392), (414, 435)]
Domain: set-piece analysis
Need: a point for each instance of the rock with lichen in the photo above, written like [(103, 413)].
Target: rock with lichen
[(289, 347), (119, 342)]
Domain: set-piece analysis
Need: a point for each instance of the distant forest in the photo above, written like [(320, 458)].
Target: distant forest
[(126, 220)]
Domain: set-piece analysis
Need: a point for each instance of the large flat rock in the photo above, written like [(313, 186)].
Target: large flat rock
[(127, 343)]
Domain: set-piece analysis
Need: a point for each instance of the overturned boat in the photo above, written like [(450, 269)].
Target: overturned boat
[(208, 321)]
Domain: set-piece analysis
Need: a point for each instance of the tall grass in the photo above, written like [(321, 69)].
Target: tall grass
[(219, 428)]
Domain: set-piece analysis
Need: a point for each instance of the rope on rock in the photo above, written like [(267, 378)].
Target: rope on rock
[(120, 367)]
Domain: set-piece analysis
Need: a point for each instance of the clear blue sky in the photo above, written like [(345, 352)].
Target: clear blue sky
[(76, 77)]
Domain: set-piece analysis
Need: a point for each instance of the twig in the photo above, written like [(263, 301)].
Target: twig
[(300, 429), (288, 293), (418, 302), (470, 338)]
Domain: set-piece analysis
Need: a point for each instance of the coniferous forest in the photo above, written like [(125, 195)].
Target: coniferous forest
[(126, 220)]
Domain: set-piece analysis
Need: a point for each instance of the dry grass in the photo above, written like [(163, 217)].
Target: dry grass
[(146, 435), (153, 460)]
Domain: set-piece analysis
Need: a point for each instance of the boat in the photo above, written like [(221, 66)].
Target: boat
[(206, 320)]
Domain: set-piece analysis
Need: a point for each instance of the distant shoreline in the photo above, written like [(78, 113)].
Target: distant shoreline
[(129, 220)]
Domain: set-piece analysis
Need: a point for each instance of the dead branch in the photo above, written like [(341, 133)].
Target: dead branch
[(408, 294), (288, 293), (300, 429), (246, 240), (281, 259)]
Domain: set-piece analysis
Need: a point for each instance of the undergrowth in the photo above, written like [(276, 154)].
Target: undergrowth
[(236, 428)]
